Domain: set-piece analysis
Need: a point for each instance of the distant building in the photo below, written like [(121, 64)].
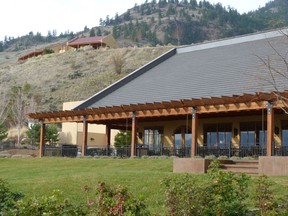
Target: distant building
[(76, 43), (95, 42), (31, 54)]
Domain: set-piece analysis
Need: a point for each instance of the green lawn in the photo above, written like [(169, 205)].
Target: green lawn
[(36, 177)]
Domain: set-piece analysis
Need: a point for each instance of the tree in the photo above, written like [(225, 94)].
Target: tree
[(92, 32), (19, 102), (99, 33), (3, 132), (276, 66), (1, 46), (51, 134), (122, 139), (33, 134)]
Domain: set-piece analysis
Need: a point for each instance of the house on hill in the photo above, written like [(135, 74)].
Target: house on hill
[(95, 42), (76, 43), (215, 98), (56, 48), (31, 54)]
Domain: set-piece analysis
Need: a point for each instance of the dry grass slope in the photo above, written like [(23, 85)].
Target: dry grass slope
[(73, 75)]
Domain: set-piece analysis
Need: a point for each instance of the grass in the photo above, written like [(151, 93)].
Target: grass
[(51, 76), (142, 177), (36, 177)]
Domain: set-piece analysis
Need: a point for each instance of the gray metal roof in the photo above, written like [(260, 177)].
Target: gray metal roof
[(220, 68)]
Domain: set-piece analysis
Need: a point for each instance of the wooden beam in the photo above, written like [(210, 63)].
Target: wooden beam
[(231, 107), (42, 139), (270, 128), (134, 135), (84, 140), (194, 132), (108, 138)]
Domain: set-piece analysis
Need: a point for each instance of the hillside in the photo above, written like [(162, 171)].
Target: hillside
[(154, 27), (73, 75), (166, 22), (185, 22)]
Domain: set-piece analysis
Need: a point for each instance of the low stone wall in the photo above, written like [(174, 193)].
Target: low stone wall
[(273, 166), (190, 165)]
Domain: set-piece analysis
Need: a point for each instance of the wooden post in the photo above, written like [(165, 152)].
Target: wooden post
[(133, 135), (270, 128), (42, 139), (194, 132), (84, 141), (108, 139)]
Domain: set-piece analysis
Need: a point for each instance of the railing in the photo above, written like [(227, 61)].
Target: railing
[(281, 151), (64, 150), (8, 145), (242, 151), (144, 150)]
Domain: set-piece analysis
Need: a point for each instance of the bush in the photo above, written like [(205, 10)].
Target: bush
[(7, 197), (114, 201), (223, 194), (54, 204), (48, 51), (183, 195), (265, 201)]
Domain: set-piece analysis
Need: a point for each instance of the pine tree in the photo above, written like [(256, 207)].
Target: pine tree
[(3, 132), (92, 32)]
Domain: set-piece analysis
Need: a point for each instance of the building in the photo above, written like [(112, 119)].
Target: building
[(72, 132), (215, 98), (96, 42), (76, 43)]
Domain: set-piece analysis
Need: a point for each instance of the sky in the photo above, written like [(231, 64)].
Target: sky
[(19, 17)]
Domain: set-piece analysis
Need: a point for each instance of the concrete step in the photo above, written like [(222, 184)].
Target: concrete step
[(249, 167), (246, 162)]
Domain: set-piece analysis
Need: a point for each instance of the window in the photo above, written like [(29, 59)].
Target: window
[(284, 133), (182, 137), (253, 133), (153, 138), (217, 135)]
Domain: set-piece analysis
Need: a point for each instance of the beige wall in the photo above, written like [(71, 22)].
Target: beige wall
[(170, 126), (72, 133), (110, 41)]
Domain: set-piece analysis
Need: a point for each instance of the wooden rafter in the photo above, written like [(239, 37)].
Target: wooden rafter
[(243, 102)]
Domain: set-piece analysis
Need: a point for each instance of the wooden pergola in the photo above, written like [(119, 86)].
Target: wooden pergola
[(115, 117)]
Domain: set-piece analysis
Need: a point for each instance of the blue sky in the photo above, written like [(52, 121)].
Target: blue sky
[(19, 17)]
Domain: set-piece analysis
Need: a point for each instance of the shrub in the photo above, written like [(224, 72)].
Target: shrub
[(183, 196), (114, 201), (211, 157), (264, 198), (3, 132), (223, 157), (224, 194), (54, 204), (7, 197), (48, 51), (118, 62)]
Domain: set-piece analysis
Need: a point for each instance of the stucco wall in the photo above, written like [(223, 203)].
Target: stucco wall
[(190, 165), (72, 133), (273, 166)]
